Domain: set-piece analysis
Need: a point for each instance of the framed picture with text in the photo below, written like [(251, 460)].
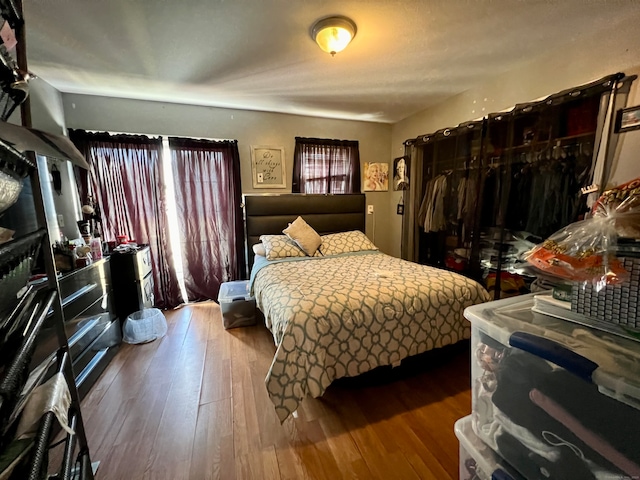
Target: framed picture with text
[(268, 167)]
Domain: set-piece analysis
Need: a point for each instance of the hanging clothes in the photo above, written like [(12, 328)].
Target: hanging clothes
[(431, 216), (462, 194)]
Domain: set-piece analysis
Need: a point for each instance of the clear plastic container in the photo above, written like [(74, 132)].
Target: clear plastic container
[(144, 326), (563, 395), (477, 460), (237, 305)]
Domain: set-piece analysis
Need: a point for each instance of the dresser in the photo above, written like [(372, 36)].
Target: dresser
[(551, 398), (90, 321), (132, 281)]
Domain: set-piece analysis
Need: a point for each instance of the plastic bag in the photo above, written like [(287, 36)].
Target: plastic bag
[(622, 206), (144, 326), (52, 396), (585, 251)]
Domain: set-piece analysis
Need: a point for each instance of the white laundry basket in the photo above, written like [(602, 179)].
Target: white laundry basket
[(144, 326)]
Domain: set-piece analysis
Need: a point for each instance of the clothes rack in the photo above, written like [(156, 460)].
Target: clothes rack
[(524, 170)]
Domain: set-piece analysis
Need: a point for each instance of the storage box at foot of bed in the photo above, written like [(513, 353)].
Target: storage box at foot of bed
[(237, 305)]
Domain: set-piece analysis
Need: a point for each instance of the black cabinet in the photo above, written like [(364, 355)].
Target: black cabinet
[(132, 281), (88, 314), (90, 321)]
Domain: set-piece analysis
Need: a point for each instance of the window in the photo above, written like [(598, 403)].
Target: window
[(180, 196), (326, 166)]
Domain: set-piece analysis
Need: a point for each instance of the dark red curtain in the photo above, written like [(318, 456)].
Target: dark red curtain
[(208, 202), (326, 166), (126, 181)]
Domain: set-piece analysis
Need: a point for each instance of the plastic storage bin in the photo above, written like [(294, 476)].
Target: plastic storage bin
[(477, 460), (237, 305), (555, 399), (144, 326)]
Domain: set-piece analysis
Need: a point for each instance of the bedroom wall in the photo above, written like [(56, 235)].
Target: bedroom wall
[(248, 127), (47, 112), (532, 80)]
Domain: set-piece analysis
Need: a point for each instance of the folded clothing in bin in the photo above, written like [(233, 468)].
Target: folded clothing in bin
[(144, 326), (237, 305)]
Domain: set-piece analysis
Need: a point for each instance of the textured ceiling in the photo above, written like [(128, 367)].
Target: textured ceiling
[(258, 55)]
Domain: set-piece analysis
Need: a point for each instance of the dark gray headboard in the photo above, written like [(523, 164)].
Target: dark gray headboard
[(270, 214)]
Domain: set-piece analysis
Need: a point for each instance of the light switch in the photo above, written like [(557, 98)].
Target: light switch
[(260, 177), (61, 221)]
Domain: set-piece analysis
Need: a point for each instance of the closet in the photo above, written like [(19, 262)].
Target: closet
[(452, 158), (490, 189)]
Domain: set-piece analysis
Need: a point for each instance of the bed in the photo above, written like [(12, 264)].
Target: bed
[(349, 308)]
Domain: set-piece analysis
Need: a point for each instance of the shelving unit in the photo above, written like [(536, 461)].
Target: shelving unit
[(34, 349), (31, 355)]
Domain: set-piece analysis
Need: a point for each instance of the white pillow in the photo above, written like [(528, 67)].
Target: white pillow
[(305, 236), (258, 249)]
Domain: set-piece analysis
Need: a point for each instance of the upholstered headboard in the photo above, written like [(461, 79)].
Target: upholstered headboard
[(271, 213)]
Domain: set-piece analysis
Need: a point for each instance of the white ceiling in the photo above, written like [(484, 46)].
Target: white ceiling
[(257, 54)]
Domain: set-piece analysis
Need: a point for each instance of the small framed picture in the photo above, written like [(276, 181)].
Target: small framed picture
[(401, 173), (267, 167), (376, 177), (627, 119)]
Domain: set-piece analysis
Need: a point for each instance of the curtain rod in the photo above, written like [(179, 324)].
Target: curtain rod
[(558, 97)]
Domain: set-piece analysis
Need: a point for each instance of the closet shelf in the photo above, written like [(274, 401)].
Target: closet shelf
[(545, 144)]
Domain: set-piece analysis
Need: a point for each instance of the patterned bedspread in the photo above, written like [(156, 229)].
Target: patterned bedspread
[(344, 315)]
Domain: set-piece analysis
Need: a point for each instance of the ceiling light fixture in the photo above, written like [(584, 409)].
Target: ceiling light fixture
[(333, 34)]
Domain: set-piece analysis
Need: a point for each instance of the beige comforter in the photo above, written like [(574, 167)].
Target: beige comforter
[(344, 315)]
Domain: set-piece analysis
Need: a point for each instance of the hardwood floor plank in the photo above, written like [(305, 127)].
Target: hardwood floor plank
[(175, 436), (193, 405), (213, 456), (344, 449), (135, 438), (217, 372)]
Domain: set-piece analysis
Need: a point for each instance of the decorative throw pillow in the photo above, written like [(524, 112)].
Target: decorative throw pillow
[(259, 250), (280, 246), (345, 242), (305, 236)]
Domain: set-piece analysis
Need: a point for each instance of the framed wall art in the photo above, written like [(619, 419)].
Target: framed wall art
[(627, 119), (401, 173), (268, 167), (376, 177)]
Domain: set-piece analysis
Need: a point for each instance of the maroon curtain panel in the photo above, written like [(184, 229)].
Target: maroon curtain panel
[(209, 207), (126, 181), (326, 166)]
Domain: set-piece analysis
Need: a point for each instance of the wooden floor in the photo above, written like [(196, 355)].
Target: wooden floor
[(193, 405)]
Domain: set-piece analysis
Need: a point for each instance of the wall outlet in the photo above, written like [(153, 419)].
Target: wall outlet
[(260, 177), (370, 209)]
